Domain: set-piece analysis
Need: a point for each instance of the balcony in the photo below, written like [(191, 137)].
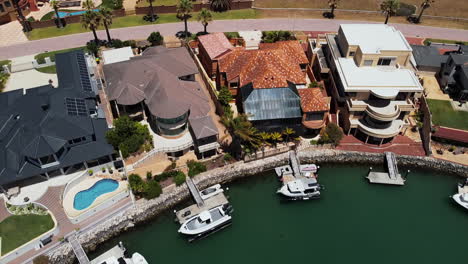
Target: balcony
[(381, 111), (314, 124), (392, 130), (209, 146)]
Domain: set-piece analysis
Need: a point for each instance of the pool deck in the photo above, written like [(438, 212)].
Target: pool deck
[(84, 185)]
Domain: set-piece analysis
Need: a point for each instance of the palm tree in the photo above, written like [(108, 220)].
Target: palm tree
[(333, 4), (288, 132), (220, 5), (55, 5), (91, 20), (204, 17), (276, 137), (88, 5), (106, 19), (264, 137), (424, 5), (183, 12), (389, 8), (242, 131), (21, 18), (152, 18)]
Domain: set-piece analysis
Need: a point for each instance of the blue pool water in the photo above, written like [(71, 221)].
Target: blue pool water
[(64, 14), (85, 198)]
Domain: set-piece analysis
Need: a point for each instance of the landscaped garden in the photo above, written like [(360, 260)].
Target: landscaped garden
[(17, 230), (40, 58), (444, 115), (131, 21)]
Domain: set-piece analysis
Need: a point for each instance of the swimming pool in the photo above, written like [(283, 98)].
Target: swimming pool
[(64, 14), (85, 198)]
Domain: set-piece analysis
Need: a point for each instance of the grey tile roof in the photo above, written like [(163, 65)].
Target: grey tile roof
[(203, 127), (37, 123), (428, 56)]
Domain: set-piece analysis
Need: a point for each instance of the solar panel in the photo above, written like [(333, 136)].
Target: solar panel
[(84, 75), (76, 107)]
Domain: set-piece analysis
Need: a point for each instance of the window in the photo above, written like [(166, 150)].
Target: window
[(47, 160), (7, 4), (352, 53), (2, 9), (384, 61), (368, 62), (60, 152)]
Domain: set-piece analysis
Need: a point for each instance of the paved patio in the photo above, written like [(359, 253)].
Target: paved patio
[(401, 145), (12, 34)]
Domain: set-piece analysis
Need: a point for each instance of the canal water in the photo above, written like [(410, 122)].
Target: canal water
[(353, 222)]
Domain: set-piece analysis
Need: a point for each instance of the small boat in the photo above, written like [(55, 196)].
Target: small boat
[(207, 221), (137, 258), (117, 255), (211, 191), (303, 188), (461, 199)]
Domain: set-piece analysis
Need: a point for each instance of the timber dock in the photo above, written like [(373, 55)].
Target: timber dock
[(194, 191), (117, 252), (392, 177)]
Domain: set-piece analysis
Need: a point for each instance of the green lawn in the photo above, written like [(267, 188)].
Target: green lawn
[(49, 69), (444, 115), (4, 62), (163, 3), (131, 21), (40, 58), (426, 41), (17, 230)]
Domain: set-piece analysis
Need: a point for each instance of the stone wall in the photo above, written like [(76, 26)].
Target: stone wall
[(145, 210)]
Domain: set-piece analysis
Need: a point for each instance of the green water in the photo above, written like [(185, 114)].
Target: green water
[(353, 222)]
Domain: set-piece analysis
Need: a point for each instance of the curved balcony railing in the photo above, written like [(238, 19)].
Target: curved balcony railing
[(382, 112), (392, 130), (314, 124)]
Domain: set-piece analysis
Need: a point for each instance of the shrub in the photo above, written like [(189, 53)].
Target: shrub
[(274, 36), (42, 259), (224, 96), (130, 43), (330, 134), (227, 157), (195, 168), (3, 80), (152, 190), (405, 9), (136, 183), (313, 142), (179, 178), (165, 175), (92, 47), (117, 43), (149, 175), (231, 35), (155, 38), (128, 135), (313, 84), (171, 167)]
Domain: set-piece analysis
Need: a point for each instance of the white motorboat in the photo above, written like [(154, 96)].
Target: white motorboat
[(207, 221), (211, 191), (137, 258), (303, 188), (461, 199), (116, 255)]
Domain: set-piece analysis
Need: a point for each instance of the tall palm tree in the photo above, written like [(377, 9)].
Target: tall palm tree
[(204, 17), (424, 5), (106, 19), (21, 18), (55, 5), (389, 8), (288, 132), (242, 131), (220, 5), (91, 20), (333, 4), (183, 12), (153, 17), (88, 5)]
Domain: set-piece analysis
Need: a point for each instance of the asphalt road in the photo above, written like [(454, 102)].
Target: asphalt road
[(142, 32)]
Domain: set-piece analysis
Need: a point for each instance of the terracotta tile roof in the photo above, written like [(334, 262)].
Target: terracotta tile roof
[(313, 100), (415, 41), (271, 66), (215, 44)]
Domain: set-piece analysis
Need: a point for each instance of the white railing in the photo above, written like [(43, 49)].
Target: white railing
[(159, 150), (209, 146)]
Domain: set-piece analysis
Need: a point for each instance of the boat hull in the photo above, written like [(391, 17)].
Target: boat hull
[(458, 198)]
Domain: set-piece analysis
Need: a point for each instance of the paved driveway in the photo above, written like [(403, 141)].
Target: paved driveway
[(142, 32)]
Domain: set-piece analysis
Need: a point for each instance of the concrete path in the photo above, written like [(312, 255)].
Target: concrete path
[(142, 32), (12, 34)]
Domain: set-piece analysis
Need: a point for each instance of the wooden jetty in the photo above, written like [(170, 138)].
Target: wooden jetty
[(117, 252), (194, 191), (392, 177), (294, 163)]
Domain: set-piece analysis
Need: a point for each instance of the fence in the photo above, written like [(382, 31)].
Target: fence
[(267, 153), (159, 150), (235, 5), (427, 126)]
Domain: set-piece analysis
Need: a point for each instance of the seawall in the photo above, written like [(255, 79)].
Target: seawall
[(145, 210)]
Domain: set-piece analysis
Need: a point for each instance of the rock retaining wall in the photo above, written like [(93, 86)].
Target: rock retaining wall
[(145, 210)]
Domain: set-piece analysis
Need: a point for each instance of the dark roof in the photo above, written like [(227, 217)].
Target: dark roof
[(271, 103), (40, 121), (73, 72), (428, 56), (203, 127), (459, 59), (154, 78)]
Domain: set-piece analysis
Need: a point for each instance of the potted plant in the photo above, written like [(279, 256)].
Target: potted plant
[(109, 168), (90, 172), (103, 169)]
